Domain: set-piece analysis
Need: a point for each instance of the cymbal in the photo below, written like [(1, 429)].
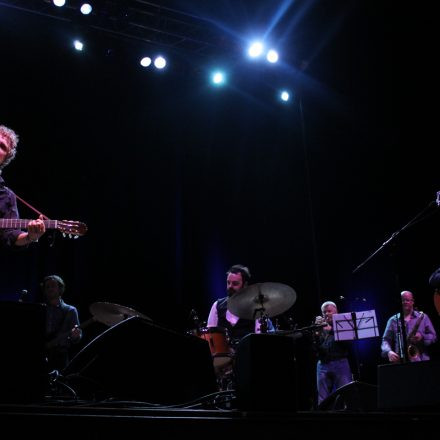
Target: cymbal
[(270, 298), (111, 314)]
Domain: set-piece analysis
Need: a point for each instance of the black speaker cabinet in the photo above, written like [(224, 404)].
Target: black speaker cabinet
[(23, 372), (265, 373), (410, 385), (137, 360), (354, 396)]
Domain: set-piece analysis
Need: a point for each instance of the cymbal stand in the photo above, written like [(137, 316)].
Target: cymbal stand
[(261, 313)]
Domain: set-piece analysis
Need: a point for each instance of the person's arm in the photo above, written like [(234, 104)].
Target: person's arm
[(35, 229), (69, 332), (388, 341), (428, 332), (213, 316), (75, 332), (71, 326), (270, 326)]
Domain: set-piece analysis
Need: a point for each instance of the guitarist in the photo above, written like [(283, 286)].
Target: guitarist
[(62, 323), (8, 201)]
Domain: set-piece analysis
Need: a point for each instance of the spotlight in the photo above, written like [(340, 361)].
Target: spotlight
[(59, 3), (160, 62), (255, 49), (78, 45), (145, 61), (272, 56), (218, 78), (86, 8), (284, 96)]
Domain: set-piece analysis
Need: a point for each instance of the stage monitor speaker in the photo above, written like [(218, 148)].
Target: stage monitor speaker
[(354, 396), (265, 373), (410, 385), (138, 360), (23, 371)]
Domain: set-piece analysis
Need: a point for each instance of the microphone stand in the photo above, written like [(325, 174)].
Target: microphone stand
[(401, 329)]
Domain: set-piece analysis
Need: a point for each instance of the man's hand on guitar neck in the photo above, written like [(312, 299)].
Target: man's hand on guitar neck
[(35, 229)]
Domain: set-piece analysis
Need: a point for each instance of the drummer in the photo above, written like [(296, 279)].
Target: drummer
[(237, 277)]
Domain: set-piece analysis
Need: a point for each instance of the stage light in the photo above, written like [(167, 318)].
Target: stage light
[(86, 8), (255, 49), (78, 45), (145, 61), (59, 3), (218, 78), (160, 62), (272, 56), (284, 96)]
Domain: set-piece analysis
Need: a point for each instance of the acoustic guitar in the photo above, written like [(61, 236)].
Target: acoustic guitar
[(69, 228)]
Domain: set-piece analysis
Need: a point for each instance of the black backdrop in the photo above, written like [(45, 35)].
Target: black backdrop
[(178, 181)]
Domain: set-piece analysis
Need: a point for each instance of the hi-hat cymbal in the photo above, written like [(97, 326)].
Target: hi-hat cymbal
[(271, 299), (111, 314)]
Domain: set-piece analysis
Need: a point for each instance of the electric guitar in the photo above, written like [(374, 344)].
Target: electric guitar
[(68, 228)]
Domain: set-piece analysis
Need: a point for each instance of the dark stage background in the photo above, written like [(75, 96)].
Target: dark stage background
[(177, 181)]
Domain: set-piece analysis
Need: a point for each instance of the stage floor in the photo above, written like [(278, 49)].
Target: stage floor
[(129, 420)]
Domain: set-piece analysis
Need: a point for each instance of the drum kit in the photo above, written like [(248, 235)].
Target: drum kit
[(257, 301)]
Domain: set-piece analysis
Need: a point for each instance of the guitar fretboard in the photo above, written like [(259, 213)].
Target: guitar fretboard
[(19, 223)]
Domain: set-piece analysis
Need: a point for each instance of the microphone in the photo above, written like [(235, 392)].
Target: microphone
[(22, 294), (437, 200)]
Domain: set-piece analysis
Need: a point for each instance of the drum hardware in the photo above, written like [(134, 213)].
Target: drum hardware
[(196, 325)]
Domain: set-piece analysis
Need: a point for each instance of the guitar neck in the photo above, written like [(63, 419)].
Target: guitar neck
[(19, 223)]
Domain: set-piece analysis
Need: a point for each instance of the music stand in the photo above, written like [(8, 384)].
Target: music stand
[(352, 326), (355, 325)]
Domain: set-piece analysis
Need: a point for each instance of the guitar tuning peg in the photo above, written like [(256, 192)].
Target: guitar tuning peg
[(64, 234), (70, 235), (76, 236)]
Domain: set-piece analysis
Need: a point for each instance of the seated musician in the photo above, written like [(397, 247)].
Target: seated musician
[(237, 277), (62, 323), (223, 320)]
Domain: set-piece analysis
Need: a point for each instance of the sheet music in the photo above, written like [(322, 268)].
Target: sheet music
[(355, 325)]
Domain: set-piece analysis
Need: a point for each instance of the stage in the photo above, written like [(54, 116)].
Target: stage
[(94, 421)]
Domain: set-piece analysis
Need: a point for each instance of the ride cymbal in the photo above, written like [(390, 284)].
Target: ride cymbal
[(257, 299)]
